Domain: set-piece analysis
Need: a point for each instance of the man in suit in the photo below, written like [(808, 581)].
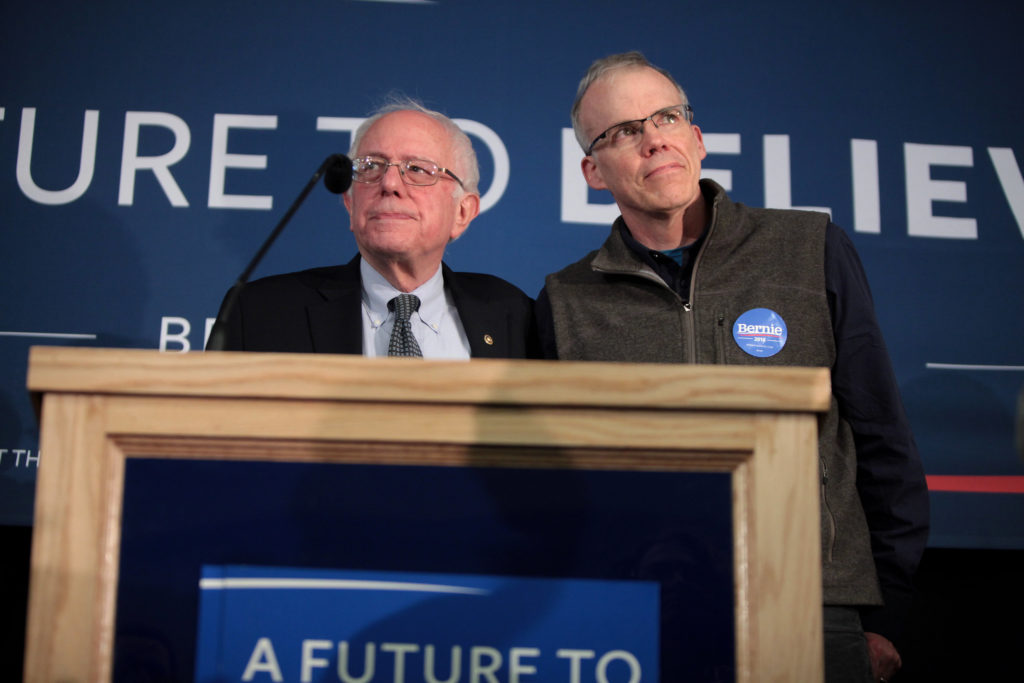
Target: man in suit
[(415, 189)]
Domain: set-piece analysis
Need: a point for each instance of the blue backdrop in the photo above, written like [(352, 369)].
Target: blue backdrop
[(146, 152)]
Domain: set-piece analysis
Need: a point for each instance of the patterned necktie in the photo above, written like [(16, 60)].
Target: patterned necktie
[(402, 342)]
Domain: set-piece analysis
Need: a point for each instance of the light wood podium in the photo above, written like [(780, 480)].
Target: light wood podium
[(102, 407)]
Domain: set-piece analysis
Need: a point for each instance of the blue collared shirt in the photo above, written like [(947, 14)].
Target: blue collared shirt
[(436, 325)]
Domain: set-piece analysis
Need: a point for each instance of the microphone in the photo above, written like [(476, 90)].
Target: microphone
[(337, 174)]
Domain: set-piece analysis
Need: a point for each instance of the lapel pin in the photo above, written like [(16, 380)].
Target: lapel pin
[(489, 340)]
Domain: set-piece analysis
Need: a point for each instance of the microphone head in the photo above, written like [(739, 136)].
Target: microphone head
[(338, 175)]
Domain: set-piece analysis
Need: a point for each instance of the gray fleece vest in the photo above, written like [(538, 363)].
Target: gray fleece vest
[(611, 306)]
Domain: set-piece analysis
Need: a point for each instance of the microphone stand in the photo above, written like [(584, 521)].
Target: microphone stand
[(338, 170)]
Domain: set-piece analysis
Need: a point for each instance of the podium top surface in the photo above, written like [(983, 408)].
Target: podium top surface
[(140, 372)]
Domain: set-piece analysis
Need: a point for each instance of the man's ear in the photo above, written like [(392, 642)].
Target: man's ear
[(467, 209), (592, 174), (346, 199), (699, 137)]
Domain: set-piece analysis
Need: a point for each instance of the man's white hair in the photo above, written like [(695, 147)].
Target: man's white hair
[(466, 166)]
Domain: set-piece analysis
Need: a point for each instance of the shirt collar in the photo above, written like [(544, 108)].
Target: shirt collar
[(710, 192), (377, 292)]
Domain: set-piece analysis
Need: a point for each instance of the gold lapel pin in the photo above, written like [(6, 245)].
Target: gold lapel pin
[(489, 340)]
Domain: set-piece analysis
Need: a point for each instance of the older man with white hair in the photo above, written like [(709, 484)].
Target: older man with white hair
[(414, 191)]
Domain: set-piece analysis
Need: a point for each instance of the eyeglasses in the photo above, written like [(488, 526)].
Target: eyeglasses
[(631, 132), (420, 172)]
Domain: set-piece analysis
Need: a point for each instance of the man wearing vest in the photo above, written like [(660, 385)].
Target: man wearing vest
[(688, 276)]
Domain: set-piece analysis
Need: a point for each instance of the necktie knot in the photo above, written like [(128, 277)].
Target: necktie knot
[(403, 343), (404, 305)]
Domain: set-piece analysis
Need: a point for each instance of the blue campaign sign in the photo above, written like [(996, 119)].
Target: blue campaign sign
[(671, 528), (148, 149), (291, 624)]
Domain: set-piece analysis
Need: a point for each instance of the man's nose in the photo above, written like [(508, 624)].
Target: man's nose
[(653, 138), (391, 182)]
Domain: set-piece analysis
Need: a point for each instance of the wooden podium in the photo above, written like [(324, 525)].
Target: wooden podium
[(100, 408)]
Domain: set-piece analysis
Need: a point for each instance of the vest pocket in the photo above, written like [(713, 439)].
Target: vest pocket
[(721, 333)]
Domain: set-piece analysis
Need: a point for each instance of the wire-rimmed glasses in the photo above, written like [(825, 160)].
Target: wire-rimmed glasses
[(630, 132), (420, 172)]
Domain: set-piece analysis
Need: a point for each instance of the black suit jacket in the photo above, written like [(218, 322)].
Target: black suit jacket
[(319, 311)]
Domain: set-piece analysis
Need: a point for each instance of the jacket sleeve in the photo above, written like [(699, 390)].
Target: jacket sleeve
[(890, 476)]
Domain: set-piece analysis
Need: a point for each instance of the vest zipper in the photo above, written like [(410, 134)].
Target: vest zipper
[(687, 320), (829, 517), (691, 299)]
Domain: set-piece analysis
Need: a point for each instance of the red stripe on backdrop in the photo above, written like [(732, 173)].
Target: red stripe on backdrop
[(976, 484)]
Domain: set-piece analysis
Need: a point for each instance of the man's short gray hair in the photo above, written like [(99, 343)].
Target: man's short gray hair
[(600, 68), (466, 166)]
